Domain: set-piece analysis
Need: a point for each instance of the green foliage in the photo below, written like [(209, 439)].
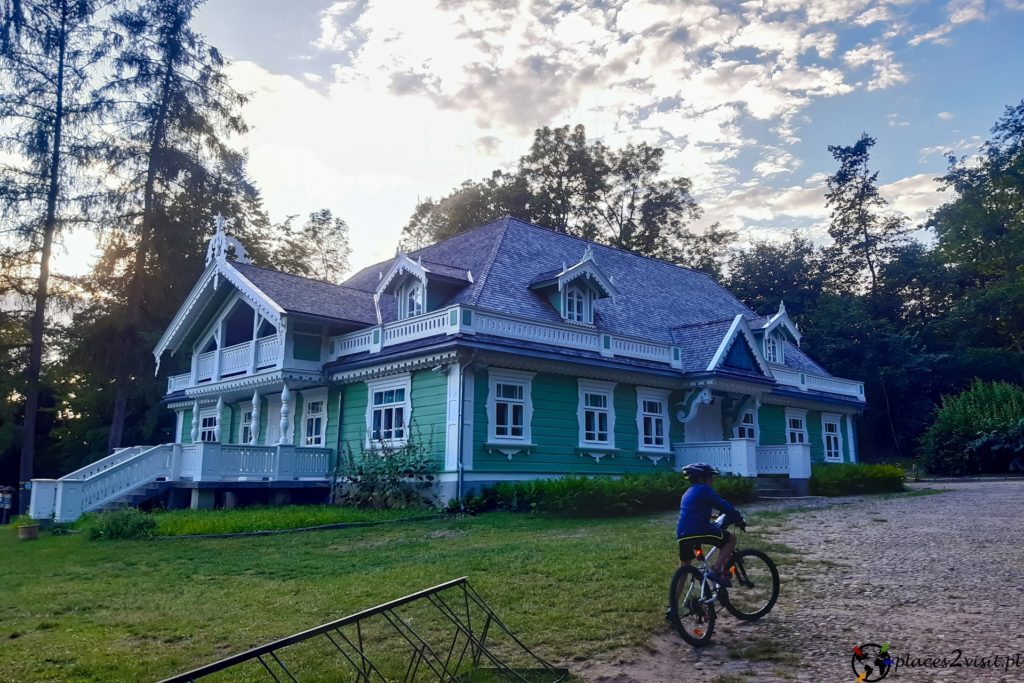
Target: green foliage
[(845, 479), (975, 431), (618, 197), (264, 518), (385, 477), (604, 496), (118, 525)]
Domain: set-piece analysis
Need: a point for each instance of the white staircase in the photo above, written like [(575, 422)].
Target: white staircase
[(126, 477)]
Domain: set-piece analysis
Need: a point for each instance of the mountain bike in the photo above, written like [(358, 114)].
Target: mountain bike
[(692, 594)]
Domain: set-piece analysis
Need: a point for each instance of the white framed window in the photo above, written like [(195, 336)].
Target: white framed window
[(245, 426), (832, 437), (596, 413), (575, 305), (314, 418), (411, 299), (509, 406), (747, 426), (652, 421), (796, 426), (772, 349), (208, 425), (388, 410)]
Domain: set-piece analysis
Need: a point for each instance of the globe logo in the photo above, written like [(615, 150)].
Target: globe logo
[(871, 662)]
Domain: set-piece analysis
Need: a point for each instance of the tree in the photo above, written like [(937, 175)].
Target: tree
[(618, 197), (319, 250), (48, 49), (770, 272), (980, 240), (177, 109), (864, 233)]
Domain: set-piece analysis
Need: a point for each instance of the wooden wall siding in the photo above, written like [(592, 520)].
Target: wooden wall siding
[(332, 431), (814, 431), (235, 411), (430, 411), (353, 420), (772, 424), (186, 426), (297, 425), (264, 421), (555, 432)]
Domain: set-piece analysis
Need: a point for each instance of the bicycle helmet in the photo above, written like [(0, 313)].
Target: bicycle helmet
[(699, 469)]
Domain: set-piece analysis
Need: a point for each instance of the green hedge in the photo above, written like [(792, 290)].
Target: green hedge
[(978, 430), (603, 496), (849, 479)]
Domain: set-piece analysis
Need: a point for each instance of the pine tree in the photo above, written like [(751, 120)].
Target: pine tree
[(178, 110), (48, 51)]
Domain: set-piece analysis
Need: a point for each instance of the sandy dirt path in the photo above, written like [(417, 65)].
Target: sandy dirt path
[(929, 575)]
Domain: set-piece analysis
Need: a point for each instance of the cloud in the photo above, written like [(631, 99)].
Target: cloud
[(945, 115), (886, 71), (959, 12)]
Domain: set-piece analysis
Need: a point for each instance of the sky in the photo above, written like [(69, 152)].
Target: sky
[(365, 107)]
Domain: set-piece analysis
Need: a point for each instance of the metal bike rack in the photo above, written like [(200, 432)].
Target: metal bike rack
[(469, 643)]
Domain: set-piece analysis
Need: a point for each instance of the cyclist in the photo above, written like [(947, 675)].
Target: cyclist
[(695, 528)]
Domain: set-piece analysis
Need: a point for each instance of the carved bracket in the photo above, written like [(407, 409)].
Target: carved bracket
[(688, 407)]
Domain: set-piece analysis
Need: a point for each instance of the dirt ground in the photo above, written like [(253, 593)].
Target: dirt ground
[(928, 574)]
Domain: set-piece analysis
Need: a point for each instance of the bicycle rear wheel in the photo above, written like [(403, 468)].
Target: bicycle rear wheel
[(691, 616), (755, 585)]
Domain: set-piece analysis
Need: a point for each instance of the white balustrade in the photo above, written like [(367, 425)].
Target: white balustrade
[(191, 461), (718, 454), (235, 359), (834, 385), (242, 461), (416, 328), (556, 335), (312, 463), (127, 476), (773, 459), (633, 348), (268, 350), (204, 366), (784, 376), (347, 344), (115, 458), (177, 382)]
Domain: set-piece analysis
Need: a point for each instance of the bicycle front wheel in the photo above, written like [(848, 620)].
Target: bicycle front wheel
[(691, 612), (755, 585)]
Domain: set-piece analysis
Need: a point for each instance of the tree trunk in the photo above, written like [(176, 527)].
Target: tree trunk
[(37, 328), (133, 303)]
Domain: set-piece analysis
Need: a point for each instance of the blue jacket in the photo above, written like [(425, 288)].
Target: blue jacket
[(695, 509)]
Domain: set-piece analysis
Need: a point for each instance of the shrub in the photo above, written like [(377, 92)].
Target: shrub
[(603, 496), (978, 430), (118, 524), (852, 478), (385, 477)]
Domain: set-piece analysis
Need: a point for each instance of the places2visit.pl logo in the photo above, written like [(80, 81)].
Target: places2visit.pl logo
[(871, 662)]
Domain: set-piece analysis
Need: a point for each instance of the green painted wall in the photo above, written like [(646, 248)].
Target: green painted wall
[(844, 429), (814, 436), (771, 421), (264, 421), (234, 424), (186, 426), (429, 393), (298, 428), (555, 432), (430, 411), (332, 431)]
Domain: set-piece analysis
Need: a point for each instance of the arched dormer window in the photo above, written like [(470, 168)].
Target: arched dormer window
[(412, 300), (576, 305), (772, 349)]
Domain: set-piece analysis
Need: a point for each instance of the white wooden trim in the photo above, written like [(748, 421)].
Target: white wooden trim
[(400, 381), (504, 375), (797, 413), (309, 396), (594, 386), (739, 326), (836, 419), (851, 428), (451, 424), (753, 410), (649, 393)]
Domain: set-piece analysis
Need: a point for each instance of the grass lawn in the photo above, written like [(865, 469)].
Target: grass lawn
[(75, 609), (259, 518)]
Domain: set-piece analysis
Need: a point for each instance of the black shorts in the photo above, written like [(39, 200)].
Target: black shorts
[(687, 544)]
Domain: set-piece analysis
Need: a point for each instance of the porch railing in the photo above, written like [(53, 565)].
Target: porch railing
[(718, 454), (235, 360), (805, 381), (114, 479), (741, 457), (773, 459)]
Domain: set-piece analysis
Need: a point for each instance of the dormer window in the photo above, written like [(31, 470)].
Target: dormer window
[(772, 349), (413, 300), (576, 306)]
